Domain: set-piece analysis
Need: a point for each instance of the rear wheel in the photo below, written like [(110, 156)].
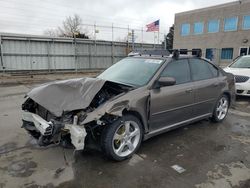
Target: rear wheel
[(121, 139), (221, 109)]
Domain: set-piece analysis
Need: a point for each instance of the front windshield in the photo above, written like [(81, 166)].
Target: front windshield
[(132, 71), (242, 62)]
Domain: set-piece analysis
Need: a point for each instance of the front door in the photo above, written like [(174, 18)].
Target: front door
[(172, 104)]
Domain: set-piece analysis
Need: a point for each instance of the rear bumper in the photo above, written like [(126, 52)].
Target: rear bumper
[(49, 131)]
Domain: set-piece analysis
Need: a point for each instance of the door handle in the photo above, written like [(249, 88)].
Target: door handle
[(189, 90), (215, 84)]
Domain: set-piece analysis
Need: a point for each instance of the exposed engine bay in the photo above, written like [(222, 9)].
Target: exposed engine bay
[(48, 126)]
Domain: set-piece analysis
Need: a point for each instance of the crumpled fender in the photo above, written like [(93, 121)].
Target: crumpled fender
[(135, 101)]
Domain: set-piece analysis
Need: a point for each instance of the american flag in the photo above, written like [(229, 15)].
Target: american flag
[(153, 26)]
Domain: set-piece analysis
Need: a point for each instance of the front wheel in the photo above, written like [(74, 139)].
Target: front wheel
[(121, 139), (221, 109)]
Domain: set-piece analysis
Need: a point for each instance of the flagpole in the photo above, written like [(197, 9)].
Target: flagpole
[(154, 39), (158, 36), (159, 33)]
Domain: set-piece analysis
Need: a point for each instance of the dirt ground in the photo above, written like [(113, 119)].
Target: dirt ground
[(213, 155)]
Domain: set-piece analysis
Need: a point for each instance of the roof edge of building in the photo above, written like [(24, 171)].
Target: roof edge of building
[(212, 7)]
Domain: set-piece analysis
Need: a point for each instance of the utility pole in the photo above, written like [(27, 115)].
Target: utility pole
[(133, 39), (1, 54), (74, 34), (112, 32), (142, 38)]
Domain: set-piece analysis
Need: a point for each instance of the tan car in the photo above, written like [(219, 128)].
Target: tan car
[(137, 98)]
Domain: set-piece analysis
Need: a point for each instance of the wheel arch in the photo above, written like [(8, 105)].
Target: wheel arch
[(227, 93), (138, 115)]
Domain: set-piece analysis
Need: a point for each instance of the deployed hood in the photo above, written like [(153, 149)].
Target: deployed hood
[(66, 95), (238, 71)]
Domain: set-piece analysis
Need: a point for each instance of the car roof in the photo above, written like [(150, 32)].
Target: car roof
[(164, 57), (166, 54)]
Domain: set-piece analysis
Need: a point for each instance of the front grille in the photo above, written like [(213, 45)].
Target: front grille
[(239, 91), (241, 79), (248, 92)]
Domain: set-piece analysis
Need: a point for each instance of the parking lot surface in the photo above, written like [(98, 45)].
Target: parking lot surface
[(213, 155)]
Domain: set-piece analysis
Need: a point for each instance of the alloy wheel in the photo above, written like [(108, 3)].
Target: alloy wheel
[(126, 138), (222, 108)]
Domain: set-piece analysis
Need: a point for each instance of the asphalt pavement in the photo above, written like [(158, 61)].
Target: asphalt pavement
[(212, 155)]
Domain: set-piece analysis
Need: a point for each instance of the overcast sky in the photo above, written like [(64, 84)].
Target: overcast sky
[(35, 16)]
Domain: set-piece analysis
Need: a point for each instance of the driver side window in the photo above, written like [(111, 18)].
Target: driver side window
[(178, 69)]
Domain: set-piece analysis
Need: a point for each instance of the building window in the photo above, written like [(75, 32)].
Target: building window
[(246, 22), (185, 29), (227, 53), (209, 54), (230, 24), (213, 26), (198, 27)]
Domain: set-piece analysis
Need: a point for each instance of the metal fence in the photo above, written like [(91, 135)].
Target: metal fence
[(31, 53)]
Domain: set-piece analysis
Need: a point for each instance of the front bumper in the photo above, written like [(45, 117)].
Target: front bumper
[(243, 89), (47, 129)]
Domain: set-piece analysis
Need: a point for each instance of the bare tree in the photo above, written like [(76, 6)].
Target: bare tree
[(71, 26), (51, 32)]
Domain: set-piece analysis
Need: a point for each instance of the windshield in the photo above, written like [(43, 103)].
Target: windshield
[(242, 62), (132, 71)]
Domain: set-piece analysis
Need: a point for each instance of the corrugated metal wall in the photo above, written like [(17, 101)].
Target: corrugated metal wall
[(23, 52)]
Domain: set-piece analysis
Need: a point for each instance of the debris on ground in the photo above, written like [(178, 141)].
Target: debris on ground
[(178, 169)]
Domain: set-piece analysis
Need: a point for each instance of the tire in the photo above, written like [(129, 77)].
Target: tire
[(221, 109), (121, 139)]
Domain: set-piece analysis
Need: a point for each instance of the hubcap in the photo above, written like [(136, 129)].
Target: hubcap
[(222, 108), (126, 138)]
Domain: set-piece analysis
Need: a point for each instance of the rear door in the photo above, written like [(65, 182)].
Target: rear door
[(207, 86), (172, 104)]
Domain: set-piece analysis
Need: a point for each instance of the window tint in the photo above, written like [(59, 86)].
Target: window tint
[(200, 69), (185, 29), (179, 70), (246, 22), (213, 26), (227, 53), (198, 28), (230, 24)]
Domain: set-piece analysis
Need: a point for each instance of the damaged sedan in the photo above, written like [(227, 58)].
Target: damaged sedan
[(139, 97)]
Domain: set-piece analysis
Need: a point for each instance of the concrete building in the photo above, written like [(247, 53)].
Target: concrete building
[(222, 31)]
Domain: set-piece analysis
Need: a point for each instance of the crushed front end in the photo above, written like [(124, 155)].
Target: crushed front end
[(49, 129), (74, 127)]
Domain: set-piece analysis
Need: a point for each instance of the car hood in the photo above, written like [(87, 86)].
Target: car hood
[(238, 71), (67, 95)]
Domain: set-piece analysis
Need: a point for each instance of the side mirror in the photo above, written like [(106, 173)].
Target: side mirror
[(166, 81)]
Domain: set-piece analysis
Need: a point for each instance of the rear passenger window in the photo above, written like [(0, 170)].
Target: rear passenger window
[(200, 70), (213, 69), (178, 69)]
